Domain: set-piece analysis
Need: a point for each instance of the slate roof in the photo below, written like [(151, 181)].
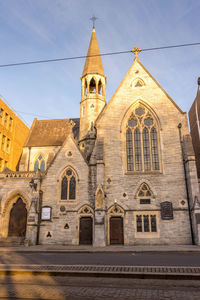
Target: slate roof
[(51, 132)]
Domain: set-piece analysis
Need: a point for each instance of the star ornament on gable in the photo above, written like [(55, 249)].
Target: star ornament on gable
[(136, 50)]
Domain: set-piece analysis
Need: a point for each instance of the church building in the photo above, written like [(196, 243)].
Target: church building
[(123, 173)]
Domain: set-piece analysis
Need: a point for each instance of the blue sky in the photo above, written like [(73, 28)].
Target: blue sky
[(47, 29)]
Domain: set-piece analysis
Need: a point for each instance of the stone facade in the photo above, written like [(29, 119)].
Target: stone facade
[(127, 177)]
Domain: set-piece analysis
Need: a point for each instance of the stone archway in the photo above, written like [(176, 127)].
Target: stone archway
[(86, 225), (116, 225), (18, 219)]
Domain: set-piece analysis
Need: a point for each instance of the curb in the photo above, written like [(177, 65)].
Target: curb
[(141, 272)]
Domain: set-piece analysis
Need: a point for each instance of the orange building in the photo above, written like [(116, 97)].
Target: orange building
[(13, 133)]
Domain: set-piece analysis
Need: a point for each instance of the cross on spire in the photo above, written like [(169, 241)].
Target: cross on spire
[(93, 19)]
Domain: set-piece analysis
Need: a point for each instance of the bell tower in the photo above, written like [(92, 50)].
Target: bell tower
[(93, 83)]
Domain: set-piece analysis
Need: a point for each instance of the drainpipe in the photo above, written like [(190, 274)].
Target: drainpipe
[(186, 182)]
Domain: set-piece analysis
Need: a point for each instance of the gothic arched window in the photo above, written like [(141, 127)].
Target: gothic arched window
[(39, 163), (68, 185), (142, 141)]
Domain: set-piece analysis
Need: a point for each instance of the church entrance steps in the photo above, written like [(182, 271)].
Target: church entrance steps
[(157, 272)]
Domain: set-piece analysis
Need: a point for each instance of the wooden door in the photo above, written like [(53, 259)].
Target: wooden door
[(18, 219), (85, 235), (116, 231)]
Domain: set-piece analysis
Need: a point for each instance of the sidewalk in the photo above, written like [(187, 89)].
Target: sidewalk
[(106, 249)]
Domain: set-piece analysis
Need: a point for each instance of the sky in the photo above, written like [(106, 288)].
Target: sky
[(47, 29)]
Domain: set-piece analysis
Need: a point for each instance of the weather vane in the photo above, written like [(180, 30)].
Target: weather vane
[(93, 19)]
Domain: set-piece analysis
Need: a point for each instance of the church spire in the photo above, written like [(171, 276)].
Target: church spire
[(93, 82), (93, 63)]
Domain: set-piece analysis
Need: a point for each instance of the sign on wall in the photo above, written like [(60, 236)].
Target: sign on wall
[(166, 210), (46, 213)]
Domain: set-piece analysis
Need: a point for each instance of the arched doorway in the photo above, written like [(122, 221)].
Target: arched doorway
[(18, 219), (116, 231), (116, 225), (85, 235), (86, 225)]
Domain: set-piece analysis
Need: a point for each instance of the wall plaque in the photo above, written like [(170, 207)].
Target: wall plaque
[(46, 213), (166, 210)]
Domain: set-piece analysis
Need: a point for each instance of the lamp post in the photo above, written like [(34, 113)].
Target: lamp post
[(35, 184)]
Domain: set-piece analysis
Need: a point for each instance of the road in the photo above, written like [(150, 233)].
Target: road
[(123, 259), (76, 288)]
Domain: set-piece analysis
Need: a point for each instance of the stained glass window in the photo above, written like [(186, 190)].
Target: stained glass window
[(142, 141), (146, 150), (153, 224), (68, 186), (36, 165), (154, 149), (138, 157), (39, 163), (42, 166), (146, 223), (132, 123), (72, 188), (139, 223), (140, 111), (64, 188), (129, 150)]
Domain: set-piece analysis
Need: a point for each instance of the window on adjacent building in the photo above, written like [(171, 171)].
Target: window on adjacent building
[(10, 123), (6, 164), (68, 185), (6, 119), (1, 113), (39, 163), (146, 222), (3, 142), (8, 145), (142, 152)]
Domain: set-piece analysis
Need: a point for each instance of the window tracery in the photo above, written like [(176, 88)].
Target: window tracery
[(142, 141), (86, 210), (68, 185), (39, 163)]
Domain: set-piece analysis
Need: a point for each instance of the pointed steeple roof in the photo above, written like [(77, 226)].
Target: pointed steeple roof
[(198, 91), (93, 63)]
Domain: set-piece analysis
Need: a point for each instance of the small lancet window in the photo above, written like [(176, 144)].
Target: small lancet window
[(39, 164), (142, 152), (68, 186), (92, 86)]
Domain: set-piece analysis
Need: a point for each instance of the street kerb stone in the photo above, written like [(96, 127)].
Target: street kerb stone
[(187, 272)]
